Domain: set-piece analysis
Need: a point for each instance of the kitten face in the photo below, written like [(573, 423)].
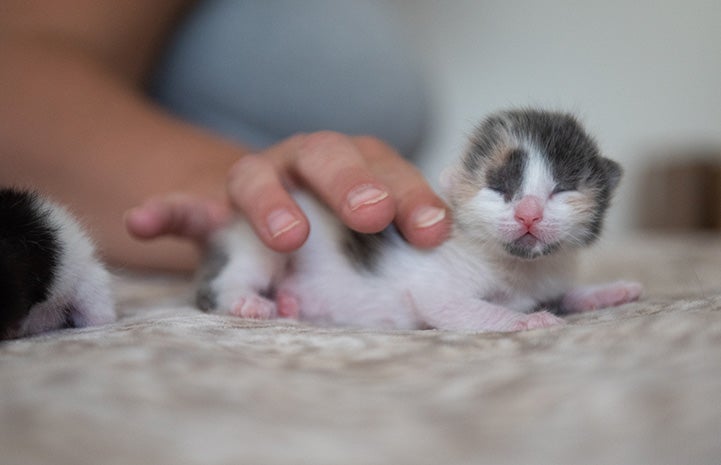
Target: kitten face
[(533, 182)]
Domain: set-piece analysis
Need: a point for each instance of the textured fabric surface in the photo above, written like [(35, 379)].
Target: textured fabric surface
[(170, 385)]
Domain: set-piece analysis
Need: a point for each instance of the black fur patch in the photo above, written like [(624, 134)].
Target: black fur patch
[(29, 256), (364, 250), (507, 179), (553, 306)]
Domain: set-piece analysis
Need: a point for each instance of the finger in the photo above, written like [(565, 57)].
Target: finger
[(421, 216), (178, 215), (333, 167), (255, 188)]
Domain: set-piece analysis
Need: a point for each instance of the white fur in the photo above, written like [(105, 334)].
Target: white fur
[(81, 284), (456, 286), (537, 177)]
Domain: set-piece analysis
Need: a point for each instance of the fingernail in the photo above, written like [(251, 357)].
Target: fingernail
[(281, 221), (426, 217), (365, 195)]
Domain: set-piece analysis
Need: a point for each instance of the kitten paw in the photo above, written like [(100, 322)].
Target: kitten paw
[(253, 306), (586, 299), (538, 320), (288, 305)]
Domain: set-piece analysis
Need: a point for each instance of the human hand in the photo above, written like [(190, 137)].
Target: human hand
[(364, 181)]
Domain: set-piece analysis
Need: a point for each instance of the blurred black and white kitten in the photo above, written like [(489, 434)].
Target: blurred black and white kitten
[(531, 190), (50, 277)]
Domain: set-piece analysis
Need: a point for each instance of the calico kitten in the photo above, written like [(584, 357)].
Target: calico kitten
[(531, 190), (49, 276)]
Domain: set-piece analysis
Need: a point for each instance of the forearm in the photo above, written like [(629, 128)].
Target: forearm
[(75, 130), (75, 125)]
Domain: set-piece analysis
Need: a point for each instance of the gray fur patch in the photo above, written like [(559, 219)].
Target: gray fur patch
[(364, 250), (507, 178), (215, 261)]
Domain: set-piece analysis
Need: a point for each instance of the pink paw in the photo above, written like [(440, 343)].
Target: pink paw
[(590, 298), (254, 306), (538, 320), (288, 305)]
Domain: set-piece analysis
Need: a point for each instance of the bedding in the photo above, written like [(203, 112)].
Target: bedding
[(168, 384)]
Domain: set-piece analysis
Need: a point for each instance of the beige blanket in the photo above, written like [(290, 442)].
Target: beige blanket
[(640, 384)]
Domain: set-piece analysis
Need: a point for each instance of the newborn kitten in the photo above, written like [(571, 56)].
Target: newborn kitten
[(49, 276), (531, 191)]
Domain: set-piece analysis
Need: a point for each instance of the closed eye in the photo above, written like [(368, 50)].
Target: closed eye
[(560, 188), (498, 190)]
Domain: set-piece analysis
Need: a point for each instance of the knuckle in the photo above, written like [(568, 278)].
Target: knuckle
[(249, 177), (415, 194), (287, 150), (248, 163), (323, 154), (374, 148), (297, 138), (371, 142), (320, 140)]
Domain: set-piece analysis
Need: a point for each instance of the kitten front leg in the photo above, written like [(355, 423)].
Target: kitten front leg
[(588, 298), (93, 304), (84, 301), (238, 274), (474, 315), (242, 288)]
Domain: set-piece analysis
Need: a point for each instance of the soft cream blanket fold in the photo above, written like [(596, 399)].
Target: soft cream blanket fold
[(170, 385)]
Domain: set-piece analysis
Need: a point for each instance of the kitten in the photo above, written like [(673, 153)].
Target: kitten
[(530, 192), (49, 276)]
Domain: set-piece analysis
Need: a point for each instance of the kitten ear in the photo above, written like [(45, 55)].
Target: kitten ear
[(613, 172)]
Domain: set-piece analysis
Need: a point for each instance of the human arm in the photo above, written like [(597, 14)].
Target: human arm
[(75, 123)]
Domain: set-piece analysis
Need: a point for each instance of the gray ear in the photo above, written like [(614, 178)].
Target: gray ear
[(613, 172)]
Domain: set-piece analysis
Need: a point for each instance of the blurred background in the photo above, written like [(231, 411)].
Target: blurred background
[(644, 76)]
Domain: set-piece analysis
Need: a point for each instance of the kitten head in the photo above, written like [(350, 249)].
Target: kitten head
[(533, 182)]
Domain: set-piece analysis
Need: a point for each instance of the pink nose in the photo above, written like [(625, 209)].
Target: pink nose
[(529, 211)]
